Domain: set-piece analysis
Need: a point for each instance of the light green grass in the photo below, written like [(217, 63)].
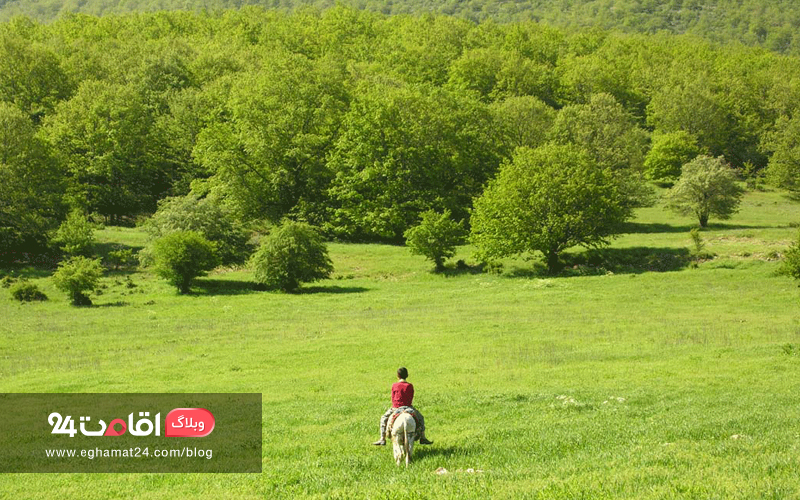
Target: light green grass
[(677, 384)]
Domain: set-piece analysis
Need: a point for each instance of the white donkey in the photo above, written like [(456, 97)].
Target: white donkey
[(403, 434)]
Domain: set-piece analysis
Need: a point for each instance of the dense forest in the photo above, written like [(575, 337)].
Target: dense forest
[(355, 121), (773, 24)]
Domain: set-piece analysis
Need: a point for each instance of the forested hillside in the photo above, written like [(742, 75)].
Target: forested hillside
[(771, 24), (354, 121)]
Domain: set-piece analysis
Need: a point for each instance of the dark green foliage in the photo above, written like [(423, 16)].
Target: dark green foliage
[(668, 153), (435, 238), (30, 186), (30, 75), (75, 236), (784, 143), (548, 199), (791, 260), (208, 217), (609, 134), (407, 149), (25, 291), (181, 256), (293, 253), (269, 151), (77, 276), (103, 139), (605, 130)]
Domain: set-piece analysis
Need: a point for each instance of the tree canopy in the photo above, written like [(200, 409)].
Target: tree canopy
[(707, 186), (548, 199), (354, 121), (749, 22)]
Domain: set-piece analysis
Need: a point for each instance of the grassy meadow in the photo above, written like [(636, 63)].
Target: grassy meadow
[(644, 379)]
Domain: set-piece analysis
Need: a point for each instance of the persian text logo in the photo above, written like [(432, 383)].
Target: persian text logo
[(180, 422)]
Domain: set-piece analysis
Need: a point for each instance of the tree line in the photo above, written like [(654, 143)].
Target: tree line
[(357, 122), (772, 25)]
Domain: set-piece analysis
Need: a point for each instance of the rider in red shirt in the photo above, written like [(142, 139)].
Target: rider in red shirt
[(402, 395)]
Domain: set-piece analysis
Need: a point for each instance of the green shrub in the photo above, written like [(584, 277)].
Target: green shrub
[(791, 260), (436, 237), (698, 251), (25, 291), (77, 276), (292, 254), (205, 216), (75, 236), (122, 259), (182, 256), (7, 281)]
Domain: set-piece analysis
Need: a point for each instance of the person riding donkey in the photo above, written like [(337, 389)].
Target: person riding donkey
[(402, 397)]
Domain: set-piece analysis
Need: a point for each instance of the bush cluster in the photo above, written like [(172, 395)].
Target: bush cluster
[(25, 291)]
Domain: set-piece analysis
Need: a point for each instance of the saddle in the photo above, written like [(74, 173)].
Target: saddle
[(397, 412)]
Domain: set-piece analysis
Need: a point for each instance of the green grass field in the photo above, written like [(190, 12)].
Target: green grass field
[(646, 379)]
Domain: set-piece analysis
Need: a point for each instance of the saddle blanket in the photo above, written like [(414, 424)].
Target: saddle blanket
[(398, 411)]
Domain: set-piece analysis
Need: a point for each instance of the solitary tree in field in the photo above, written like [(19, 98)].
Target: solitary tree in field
[(707, 186), (182, 256), (292, 254), (548, 199), (436, 237), (77, 276)]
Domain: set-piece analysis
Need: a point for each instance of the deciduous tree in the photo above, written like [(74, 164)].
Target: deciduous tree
[(181, 256), (548, 199), (707, 187), (435, 237), (293, 253)]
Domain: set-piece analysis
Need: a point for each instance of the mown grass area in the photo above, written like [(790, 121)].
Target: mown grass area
[(621, 383)]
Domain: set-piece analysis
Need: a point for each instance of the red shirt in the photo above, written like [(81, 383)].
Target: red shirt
[(402, 394)]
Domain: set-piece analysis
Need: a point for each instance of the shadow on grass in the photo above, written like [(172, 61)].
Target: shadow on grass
[(115, 266), (332, 289), (461, 268), (633, 260), (435, 451), (793, 196), (657, 227), (118, 303), (25, 272), (205, 286), (731, 227), (654, 227), (103, 249)]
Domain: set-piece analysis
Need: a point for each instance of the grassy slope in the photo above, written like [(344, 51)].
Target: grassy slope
[(517, 376)]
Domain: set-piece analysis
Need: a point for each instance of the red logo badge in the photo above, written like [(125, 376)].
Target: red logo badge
[(189, 422)]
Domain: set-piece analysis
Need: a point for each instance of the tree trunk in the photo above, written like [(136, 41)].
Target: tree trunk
[(703, 220), (552, 261)]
